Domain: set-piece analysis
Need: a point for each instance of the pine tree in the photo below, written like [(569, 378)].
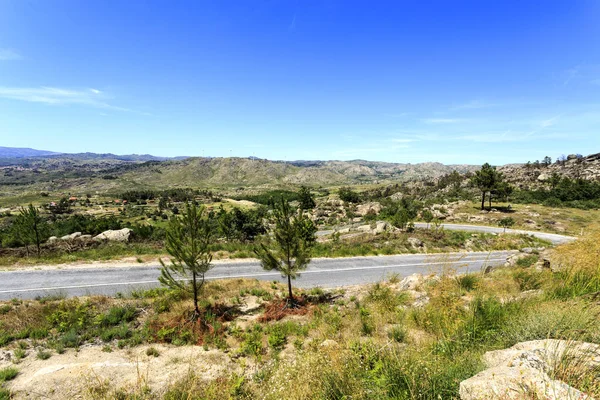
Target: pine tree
[(31, 228), (307, 202), (486, 180), (188, 240), (289, 249)]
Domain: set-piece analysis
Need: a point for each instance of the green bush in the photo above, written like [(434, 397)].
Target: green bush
[(8, 373), (277, 338), (116, 316)]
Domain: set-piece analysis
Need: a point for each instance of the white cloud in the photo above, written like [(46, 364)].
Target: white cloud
[(58, 96), (9, 55), (549, 122)]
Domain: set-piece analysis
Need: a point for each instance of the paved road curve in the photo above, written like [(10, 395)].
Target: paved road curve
[(551, 237), (325, 272), (321, 272)]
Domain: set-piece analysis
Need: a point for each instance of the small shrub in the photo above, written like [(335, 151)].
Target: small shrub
[(527, 279), (528, 261), (252, 345), (277, 338), (5, 394), (116, 316), (467, 282), (397, 334), (152, 352), (43, 355), (366, 321), (20, 354), (70, 339), (8, 373)]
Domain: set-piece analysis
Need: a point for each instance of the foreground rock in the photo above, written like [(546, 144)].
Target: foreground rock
[(76, 374), (524, 371), (121, 235)]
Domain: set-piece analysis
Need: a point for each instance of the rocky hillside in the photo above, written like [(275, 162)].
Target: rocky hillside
[(223, 172), (96, 173), (532, 175)]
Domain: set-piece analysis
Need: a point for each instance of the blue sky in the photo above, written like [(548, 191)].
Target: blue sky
[(401, 81)]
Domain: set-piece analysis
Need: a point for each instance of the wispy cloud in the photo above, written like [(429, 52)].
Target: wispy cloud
[(571, 73), (442, 120), (9, 55), (59, 96), (292, 25), (549, 122)]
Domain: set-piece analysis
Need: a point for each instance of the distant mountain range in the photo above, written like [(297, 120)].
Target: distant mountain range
[(28, 169), (22, 152), (16, 152)]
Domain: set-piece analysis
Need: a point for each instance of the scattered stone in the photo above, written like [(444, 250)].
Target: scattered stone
[(329, 344), (420, 299), (52, 239), (251, 304), (415, 242), (368, 208), (543, 264), (121, 235), (511, 260), (70, 237), (543, 177), (381, 227)]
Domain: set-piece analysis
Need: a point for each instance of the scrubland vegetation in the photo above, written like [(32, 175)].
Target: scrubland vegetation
[(386, 340), (367, 342)]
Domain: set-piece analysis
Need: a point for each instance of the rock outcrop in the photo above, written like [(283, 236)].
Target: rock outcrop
[(526, 370), (121, 235)]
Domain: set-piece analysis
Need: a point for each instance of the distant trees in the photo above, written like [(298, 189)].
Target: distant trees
[(502, 190), (546, 161), (401, 213), (427, 217), (348, 195), (30, 228), (288, 250), (188, 240), (243, 225), (62, 207), (307, 202), (563, 191)]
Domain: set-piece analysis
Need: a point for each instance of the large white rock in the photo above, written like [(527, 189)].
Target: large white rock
[(523, 371), (121, 235), (364, 209), (72, 236), (415, 242), (411, 282)]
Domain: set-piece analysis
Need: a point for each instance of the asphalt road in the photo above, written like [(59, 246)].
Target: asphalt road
[(321, 272), (324, 272), (551, 237)]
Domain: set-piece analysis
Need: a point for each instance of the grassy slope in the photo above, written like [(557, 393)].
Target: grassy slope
[(366, 343)]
